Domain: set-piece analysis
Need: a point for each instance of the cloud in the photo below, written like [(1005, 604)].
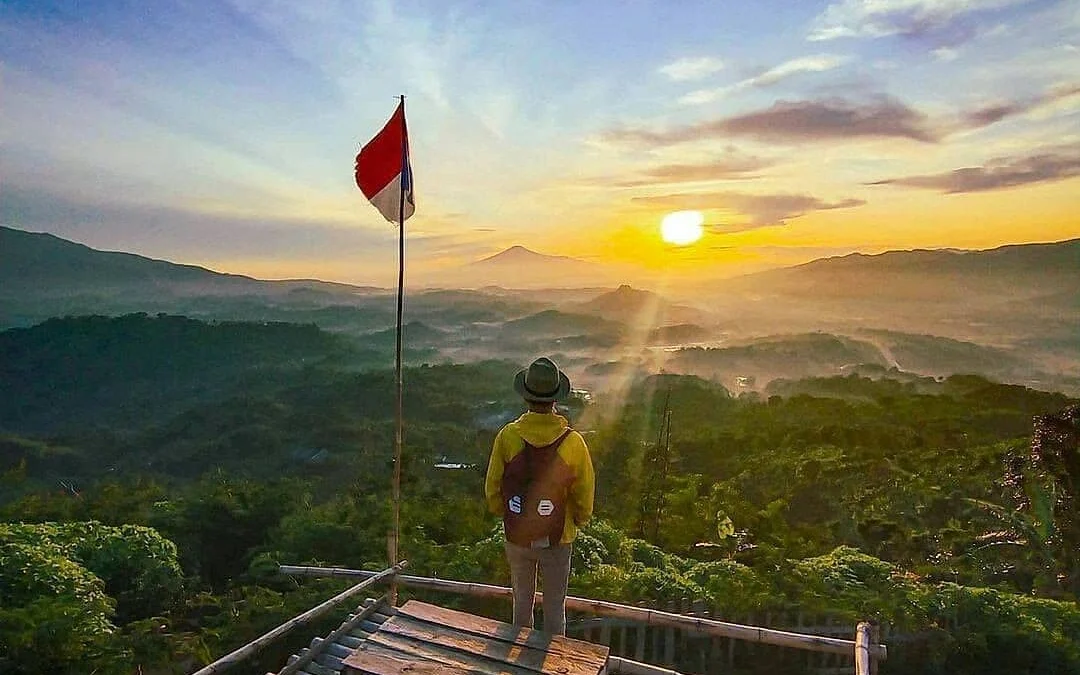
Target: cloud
[(942, 22), (995, 112), (839, 119), (1000, 173), (946, 54), (760, 210), (816, 63), (731, 165), (799, 121), (693, 68), (727, 167), (833, 118)]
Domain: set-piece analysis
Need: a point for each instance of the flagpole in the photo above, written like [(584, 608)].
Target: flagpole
[(399, 417)]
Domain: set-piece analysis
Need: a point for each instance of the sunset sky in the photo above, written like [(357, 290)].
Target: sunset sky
[(223, 133)]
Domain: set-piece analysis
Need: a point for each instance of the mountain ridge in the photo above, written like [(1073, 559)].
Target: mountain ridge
[(27, 258), (517, 253), (1066, 248), (30, 258), (521, 267), (627, 302), (1024, 270)]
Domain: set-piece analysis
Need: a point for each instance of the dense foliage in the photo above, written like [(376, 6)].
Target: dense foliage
[(63, 584), (917, 502)]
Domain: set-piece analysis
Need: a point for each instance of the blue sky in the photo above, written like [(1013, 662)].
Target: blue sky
[(223, 133)]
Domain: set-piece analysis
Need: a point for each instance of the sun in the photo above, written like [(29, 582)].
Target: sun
[(682, 227)]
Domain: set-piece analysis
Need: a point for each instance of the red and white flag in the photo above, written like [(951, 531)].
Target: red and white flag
[(383, 173)]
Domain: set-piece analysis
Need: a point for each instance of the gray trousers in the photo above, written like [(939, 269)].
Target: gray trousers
[(554, 564)]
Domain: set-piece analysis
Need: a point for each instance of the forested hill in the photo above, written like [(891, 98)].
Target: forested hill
[(919, 502), (43, 264), (1018, 270), (43, 276), (36, 261), (140, 386), (135, 370)]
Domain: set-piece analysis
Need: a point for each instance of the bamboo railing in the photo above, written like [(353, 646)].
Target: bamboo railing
[(232, 658), (346, 626), (872, 653)]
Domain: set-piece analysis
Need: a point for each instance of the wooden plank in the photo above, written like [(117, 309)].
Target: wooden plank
[(369, 626), (490, 628), (422, 651), (350, 641), (547, 656), (522, 639), (386, 662), (335, 649), (318, 669), (310, 667), (328, 660)]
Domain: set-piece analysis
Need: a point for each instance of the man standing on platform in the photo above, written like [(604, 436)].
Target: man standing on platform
[(540, 480)]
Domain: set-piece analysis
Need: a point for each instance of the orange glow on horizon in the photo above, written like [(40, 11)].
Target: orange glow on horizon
[(894, 219)]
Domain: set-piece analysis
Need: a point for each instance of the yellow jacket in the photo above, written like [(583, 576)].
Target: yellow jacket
[(540, 429)]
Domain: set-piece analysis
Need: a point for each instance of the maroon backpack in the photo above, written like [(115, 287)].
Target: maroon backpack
[(535, 489)]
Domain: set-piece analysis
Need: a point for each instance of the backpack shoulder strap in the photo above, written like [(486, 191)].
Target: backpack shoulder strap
[(531, 449), (554, 444)]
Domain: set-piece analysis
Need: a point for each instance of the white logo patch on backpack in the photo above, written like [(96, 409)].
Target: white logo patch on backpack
[(515, 504), (545, 508)]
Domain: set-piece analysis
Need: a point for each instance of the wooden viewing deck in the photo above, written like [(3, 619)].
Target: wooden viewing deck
[(424, 639)]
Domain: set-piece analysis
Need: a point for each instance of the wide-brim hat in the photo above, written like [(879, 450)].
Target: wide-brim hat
[(542, 382)]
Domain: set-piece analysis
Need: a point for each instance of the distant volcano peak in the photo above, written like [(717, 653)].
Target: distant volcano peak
[(519, 254)]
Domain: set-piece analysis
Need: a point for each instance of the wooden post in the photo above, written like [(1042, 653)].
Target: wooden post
[(862, 649), (232, 658)]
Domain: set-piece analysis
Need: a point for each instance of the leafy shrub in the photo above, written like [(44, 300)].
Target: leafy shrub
[(854, 583), (54, 613), (138, 566), (732, 586)]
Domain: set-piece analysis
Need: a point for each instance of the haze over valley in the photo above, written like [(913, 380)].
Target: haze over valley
[(1010, 314)]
